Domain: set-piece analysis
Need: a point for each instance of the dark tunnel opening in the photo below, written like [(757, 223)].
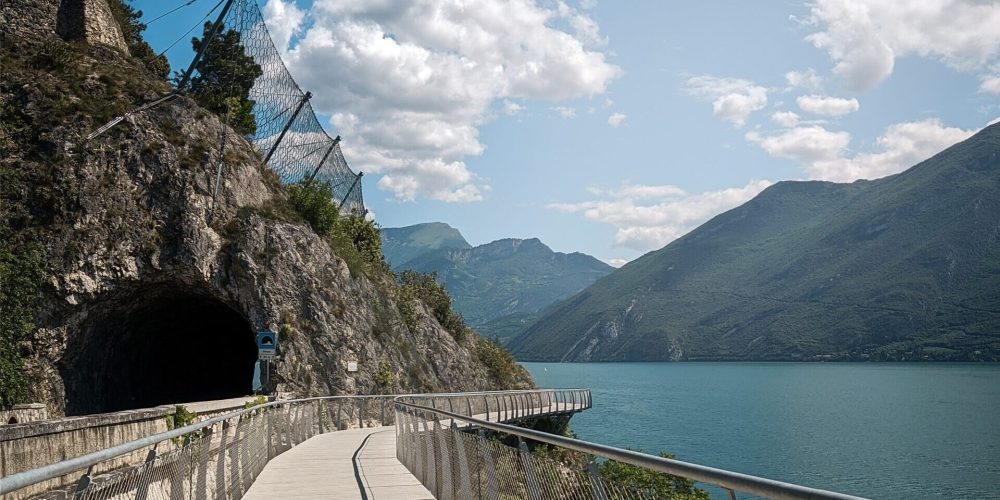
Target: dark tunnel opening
[(158, 346)]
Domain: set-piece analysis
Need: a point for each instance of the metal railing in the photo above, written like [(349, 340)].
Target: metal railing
[(450, 453), (441, 438), (216, 458)]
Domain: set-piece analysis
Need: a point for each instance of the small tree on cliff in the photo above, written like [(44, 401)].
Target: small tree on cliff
[(132, 28), (225, 75)]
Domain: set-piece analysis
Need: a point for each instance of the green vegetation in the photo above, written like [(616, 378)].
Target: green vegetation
[(314, 202), (132, 28), (21, 275), (415, 286), (499, 361), (257, 401), (650, 483), (906, 267), (384, 379), (352, 238), (182, 417), (224, 79)]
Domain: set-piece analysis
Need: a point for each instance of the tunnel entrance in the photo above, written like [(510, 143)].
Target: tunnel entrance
[(156, 346)]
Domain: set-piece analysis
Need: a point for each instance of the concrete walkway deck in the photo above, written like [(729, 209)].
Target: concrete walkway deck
[(356, 464)]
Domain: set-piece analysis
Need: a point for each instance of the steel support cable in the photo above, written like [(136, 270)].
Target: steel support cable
[(188, 32), (167, 13)]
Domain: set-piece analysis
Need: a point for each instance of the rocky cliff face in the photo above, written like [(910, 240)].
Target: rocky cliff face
[(155, 287)]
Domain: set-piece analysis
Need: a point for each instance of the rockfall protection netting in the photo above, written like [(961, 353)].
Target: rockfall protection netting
[(287, 131)]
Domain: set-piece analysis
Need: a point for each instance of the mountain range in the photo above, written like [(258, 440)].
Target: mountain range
[(900, 268), (498, 287)]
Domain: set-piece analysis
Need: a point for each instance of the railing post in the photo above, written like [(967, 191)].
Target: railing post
[(361, 413), (464, 483), (530, 481), (446, 487), (595, 482), (142, 489), (492, 488), (83, 484)]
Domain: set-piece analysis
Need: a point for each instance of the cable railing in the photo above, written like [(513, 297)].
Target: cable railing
[(456, 454)]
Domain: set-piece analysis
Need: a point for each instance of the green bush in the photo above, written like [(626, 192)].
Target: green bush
[(314, 202), (21, 275), (384, 379), (500, 362), (414, 286), (650, 483)]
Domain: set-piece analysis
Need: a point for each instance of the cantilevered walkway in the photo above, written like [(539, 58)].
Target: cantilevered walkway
[(443, 446)]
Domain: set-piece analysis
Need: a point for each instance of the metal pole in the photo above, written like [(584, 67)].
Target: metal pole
[(302, 102), (204, 45), (336, 141), (355, 183)]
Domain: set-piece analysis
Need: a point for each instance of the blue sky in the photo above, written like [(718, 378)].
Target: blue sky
[(611, 128)]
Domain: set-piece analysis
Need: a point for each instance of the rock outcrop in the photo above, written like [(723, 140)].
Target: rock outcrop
[(155, 285)]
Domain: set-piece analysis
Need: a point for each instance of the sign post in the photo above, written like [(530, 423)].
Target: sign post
[(267, 351)]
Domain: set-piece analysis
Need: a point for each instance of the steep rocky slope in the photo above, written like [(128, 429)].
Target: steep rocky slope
[(901, 268), (153, 288)]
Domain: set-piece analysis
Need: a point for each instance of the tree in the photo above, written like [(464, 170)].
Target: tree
[(132, 28), (225, 76), (650, 483), (314, 202)]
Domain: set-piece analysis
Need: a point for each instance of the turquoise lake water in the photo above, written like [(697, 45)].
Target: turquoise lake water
[(904, 430)]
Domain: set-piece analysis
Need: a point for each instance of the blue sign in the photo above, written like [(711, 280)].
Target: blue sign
[(267, 345)]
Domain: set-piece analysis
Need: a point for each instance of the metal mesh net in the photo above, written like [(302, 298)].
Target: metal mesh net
[(287, 131)]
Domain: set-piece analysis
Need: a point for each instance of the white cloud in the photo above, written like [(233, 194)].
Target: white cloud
[(864, 37), (409, 84), (824, 154), (807, 145), (565, 111), (785, 118), (990, 85), (826, 105), (283, 20), (807, 79), (648, 217), (616, 119), (616, 262), (511, 108), (733, 99)]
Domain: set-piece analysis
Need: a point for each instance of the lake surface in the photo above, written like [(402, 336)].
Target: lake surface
[(870, 429)]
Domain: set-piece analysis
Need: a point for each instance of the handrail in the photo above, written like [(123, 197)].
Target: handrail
[(34, 476), (726, 479)]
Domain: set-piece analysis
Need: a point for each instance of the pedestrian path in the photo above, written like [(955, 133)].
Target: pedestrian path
[(356, 464)]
